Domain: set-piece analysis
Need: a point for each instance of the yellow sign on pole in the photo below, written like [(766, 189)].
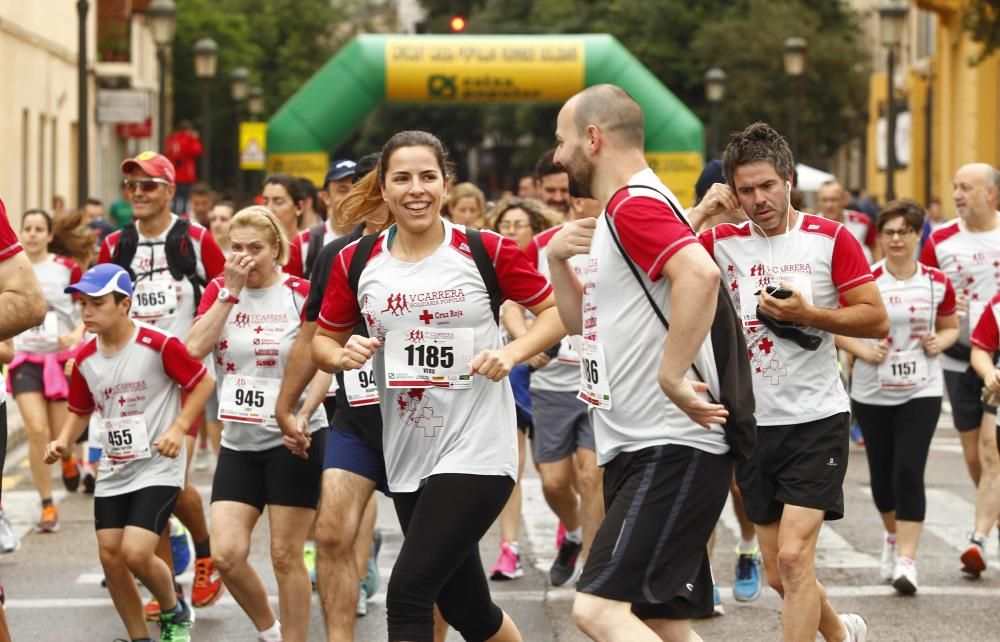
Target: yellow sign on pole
[(457, 70), (679, 171), (311, 165), (253, 145)]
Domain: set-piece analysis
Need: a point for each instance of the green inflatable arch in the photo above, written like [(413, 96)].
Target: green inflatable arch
[(372, 69)]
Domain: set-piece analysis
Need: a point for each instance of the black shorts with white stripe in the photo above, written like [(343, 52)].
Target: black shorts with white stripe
[(662, 503)]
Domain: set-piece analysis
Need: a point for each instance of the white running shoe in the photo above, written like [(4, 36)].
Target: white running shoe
[(857, 628), (904, 578), (887, 566), (9, 541)]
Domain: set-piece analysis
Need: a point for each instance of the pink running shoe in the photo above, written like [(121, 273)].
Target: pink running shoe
[(508, 566), (560, 535)]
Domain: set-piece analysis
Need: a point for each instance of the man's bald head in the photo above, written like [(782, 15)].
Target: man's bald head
[(613, 111), (976, 191)]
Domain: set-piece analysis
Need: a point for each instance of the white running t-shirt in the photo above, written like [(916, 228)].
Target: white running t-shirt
[(54, 273)]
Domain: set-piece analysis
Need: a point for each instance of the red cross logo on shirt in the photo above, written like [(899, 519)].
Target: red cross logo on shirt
[(230, 367), (766, 345), (426, 317), (121, 400), (223, 345), (913, 309), (258, 329)]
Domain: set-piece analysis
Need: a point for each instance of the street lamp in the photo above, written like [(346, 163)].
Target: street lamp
[(239, 88), (795, 67), (162, 16), (256, 102), (206, 58), (715, 91), (891, 18)]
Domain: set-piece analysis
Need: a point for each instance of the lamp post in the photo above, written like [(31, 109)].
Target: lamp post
[(891, 18), (206, 58), (239, 88), (715, 91), (255, 104), (162, 16), (795, 67), (83, 143)]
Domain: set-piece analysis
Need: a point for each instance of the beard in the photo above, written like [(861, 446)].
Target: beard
[(581, 175)]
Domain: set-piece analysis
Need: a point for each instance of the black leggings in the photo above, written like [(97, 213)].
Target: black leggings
[(3, 441), (897, 440), (439, 562)]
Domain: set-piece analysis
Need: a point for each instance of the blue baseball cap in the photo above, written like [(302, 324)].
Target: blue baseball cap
[(338, 170), (103, 278)]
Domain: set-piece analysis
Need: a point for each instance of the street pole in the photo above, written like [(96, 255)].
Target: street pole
[(206, 131), (83, 120), (890, 149), (713, 134), (161, 125)]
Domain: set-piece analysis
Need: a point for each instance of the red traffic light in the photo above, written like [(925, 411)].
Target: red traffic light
[(458, 24)]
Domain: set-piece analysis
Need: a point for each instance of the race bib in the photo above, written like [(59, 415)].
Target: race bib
[(428, 357), (594, 387), (905, 369), (360, 387), (248, 400), (568, 353), (43, 336), (125, 438), (154, 299), (750, 285)]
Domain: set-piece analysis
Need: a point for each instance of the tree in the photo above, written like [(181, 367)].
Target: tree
[(981, 19)]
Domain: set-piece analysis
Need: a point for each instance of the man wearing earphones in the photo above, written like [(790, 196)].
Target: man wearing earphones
[(796, 280)]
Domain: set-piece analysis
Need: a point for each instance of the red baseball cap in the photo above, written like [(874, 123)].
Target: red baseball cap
[(154, 164)]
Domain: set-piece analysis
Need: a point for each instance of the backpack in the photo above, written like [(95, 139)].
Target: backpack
[(479, 254), (316, 234), (182, 262)]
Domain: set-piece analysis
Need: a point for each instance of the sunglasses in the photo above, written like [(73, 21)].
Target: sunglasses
[(144, 184)]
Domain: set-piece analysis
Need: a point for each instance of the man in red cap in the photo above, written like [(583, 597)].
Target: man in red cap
[(170, 260), (183, 148)]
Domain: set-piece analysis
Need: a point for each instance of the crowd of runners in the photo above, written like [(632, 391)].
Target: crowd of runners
[(392, 330)]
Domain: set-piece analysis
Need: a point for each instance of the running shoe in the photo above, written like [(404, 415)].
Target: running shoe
[(747, 585), (372, 577), (49, 523), (88, 478), (717, 608), (856, 437), (565, 569), (208, 586), (362, 608), (309, 556), (152, 608), (180, 549), (9, 541), (560, 535), (176, 626), (71, 474), (904, 577), (887, 565), (857, 628), (974, 557), (508, 566)]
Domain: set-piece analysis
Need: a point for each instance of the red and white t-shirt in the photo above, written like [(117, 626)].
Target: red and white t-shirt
[(9, 246), (563, 372), (618, 319), (913, 306), (54, 273), (863, 229), (428, 431), (986, 334), (143, 380), (972, 262), (821, 259), (152, 275), (256, 342), (298, 250)]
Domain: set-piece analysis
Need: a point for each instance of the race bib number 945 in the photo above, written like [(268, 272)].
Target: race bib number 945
[(360, 387), (428, 357), (248, 400)]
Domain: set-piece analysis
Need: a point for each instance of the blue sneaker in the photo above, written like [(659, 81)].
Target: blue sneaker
[(717, 608), (747, 585), (372, 578), (180, 546), (856, 436)]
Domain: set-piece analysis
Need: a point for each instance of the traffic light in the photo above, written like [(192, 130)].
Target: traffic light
[(457, 24)]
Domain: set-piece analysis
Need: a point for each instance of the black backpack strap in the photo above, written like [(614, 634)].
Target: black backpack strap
[(182, 260), (360, 260), (125, 249), (316, 234), (486, 270)]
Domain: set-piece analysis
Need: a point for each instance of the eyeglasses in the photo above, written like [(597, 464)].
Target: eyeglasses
[(517, 227), (145, 184), (902, 232)]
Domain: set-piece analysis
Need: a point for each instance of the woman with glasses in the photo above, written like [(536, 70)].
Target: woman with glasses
[(897, 386)]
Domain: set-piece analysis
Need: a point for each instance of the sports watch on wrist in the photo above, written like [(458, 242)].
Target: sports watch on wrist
[(228, 297)]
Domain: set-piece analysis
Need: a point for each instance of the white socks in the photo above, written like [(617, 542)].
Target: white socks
[(575, 535), (272, 634), (748, 545)]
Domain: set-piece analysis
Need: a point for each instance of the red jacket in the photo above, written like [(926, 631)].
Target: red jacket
[(183, 150)]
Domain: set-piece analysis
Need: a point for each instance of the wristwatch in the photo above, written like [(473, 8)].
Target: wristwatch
[(228, 297)]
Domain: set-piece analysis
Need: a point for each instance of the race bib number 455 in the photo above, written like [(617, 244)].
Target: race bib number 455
[(125, 438), (428, 357)]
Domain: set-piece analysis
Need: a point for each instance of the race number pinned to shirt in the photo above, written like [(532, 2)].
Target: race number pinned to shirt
[(567, 352), (125, 438), (360, 386), (750, 286), (248, 400), (594, 387), (428, 357), (903, 369), (154, 299), (42, 336)]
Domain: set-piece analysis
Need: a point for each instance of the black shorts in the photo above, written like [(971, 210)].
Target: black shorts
[(30, 377), (270, 477), (662, 503), (798, 464), (147, 508), (965, 391)]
